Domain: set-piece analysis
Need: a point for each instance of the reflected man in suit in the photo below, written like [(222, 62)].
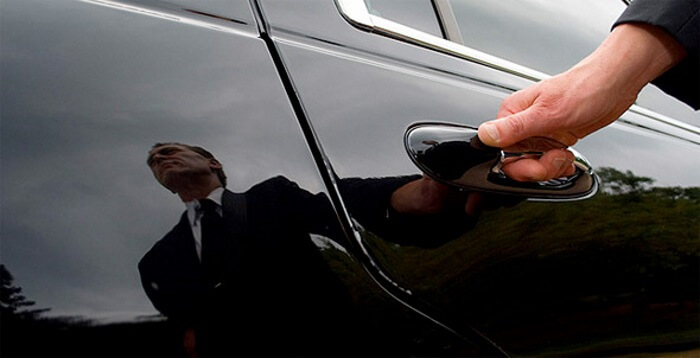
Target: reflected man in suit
[(258, 273)]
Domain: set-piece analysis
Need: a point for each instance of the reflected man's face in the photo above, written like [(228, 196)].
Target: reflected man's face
[(175, 165)]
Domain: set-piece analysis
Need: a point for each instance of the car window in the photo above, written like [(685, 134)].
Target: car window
[(531, 39), (418, 14), (549, 37), (544, 35)]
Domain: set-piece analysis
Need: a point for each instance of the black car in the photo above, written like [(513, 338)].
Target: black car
[(322, 99)]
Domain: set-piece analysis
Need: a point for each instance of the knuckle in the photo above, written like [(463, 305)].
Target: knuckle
[(516, 125), (554, 110)]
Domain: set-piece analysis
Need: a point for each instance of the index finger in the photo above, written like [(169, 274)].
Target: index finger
[(554, 163)]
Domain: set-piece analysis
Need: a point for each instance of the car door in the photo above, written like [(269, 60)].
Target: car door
[(88, 87), (612, 274)]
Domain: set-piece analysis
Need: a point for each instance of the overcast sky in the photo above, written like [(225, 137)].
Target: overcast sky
[(87, 89)]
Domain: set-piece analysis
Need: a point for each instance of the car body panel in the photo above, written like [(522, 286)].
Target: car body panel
[(292, 89), (88, 88), (532, 276)]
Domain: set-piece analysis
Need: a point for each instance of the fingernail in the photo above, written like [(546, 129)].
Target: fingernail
[(492, 132)]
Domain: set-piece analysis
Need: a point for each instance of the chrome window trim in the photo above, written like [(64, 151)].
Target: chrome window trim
[(448, 21), (358, 15)]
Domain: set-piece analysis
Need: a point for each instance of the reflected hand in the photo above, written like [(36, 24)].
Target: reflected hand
[(578, 102), (426, 196), (423, 196)]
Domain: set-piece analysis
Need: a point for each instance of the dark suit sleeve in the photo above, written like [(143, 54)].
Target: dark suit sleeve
[(149, 269), (174, 292), (681, 19), (368, 201)]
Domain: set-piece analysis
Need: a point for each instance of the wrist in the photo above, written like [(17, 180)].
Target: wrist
[(634, 54)]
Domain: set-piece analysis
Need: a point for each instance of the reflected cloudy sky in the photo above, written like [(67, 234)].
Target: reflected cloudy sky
[(375, 97), (545, 35), (551, 36), (87, 89)]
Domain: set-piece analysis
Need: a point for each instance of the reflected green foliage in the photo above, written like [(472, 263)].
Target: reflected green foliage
[(625, 263), (616, 182), (616, 274), (388, 328)]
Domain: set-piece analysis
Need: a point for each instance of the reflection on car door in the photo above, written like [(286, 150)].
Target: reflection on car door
[(88, 88), (611, 274)]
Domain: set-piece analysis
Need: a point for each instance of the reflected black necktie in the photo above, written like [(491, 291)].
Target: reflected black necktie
[(213, 243)]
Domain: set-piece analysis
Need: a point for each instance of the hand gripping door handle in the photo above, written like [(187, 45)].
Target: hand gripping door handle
[(454, 155)]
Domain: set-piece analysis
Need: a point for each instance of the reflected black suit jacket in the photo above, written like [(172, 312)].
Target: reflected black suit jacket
[(276, 281)]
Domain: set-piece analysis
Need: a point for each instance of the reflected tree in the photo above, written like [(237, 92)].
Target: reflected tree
[(616, 182), (21, 323), (629, 257), (27, 332), (12, 302)]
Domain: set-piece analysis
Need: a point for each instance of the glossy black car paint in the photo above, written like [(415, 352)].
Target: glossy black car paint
[(293, 89), (534, 275), (80, 111)]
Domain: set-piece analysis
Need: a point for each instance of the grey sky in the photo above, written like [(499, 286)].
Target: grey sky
[(87, 89)]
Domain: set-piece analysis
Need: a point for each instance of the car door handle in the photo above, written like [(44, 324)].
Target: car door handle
[(454, 155)]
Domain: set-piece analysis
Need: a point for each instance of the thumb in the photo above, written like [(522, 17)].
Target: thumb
[(511, 129)]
